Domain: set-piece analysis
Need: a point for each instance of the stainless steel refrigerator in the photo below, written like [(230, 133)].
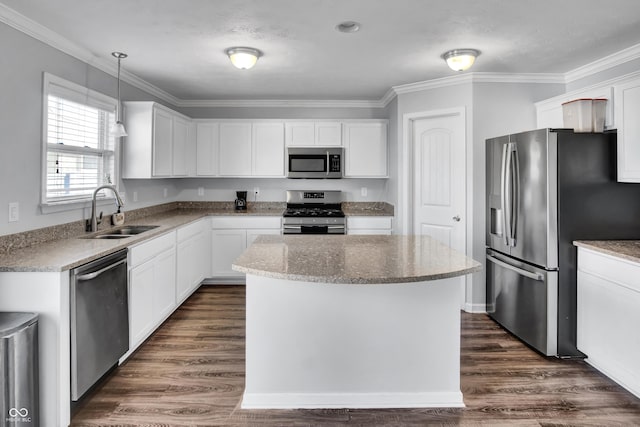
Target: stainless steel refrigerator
[(545, 189)]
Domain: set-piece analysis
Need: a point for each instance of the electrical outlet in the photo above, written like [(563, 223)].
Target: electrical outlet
[(165, 192), (135, 196), (200, 191), (363, 191), (14, 212)]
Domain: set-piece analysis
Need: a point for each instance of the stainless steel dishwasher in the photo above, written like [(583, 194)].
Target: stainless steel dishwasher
[(99, 319)]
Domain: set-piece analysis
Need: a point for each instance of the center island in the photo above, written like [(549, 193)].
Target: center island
[(352, 321)]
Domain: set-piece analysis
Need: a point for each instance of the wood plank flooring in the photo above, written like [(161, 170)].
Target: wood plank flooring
[(191, 372)]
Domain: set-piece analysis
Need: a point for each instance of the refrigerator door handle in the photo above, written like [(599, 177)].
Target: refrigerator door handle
[(503, 194), (535, 276), (515, 193)]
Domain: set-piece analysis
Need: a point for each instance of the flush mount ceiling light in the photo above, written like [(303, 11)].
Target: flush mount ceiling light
[(118, 130), (348, 27), (243, 57), (460, 59)]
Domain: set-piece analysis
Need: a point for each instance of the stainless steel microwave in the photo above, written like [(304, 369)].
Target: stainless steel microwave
[(315, 162)]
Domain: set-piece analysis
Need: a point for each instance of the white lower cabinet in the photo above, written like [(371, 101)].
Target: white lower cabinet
[(369, 225), (152, 286), (192, 258), (230, 236), (608, 315)]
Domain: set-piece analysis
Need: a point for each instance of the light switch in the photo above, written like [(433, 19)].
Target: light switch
[(363, 191)]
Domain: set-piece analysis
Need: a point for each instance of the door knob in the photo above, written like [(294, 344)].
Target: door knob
[(456, 218)]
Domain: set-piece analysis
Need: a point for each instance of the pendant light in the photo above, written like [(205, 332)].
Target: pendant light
[(243, 57), (460, 59), (118, 130)]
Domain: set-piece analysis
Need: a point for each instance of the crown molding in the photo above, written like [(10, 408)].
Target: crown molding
[(298, 103), (53, 39), (603, 64)]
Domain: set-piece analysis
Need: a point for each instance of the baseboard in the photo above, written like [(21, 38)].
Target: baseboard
[(475, 308), (224, 281), (352, 400)]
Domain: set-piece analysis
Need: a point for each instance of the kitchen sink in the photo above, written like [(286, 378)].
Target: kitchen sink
[(123, 232)]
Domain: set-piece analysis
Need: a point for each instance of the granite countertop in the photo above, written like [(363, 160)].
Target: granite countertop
[(624, 249), (69, 249), (353, 259)]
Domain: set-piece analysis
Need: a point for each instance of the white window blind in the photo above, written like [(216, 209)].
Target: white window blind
[(80, 152)]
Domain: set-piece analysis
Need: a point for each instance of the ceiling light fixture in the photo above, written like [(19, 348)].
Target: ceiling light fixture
[(118, 130), (348, 27), (243, 57), (460, 59)]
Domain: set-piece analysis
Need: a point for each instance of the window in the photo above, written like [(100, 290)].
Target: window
[(79, 152)]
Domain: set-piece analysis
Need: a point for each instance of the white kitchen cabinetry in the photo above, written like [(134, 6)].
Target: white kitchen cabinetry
[(152, 286), (267, 149), (627, 110), (230, 236), (608, 298), (193, 255), (369, 225), (235, 149), (321, 133), (159, 143), (207, 145), (365, 146)]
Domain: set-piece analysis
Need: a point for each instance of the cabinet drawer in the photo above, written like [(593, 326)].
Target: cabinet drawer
[(617, 270), (188, 231), (369, 222), (147, 250), (224, 222)]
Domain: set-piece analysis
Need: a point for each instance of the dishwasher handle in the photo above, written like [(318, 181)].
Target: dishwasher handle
[(535, 276), (95, 274)]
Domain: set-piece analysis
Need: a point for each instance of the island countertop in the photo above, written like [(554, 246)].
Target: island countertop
[(353, 259)]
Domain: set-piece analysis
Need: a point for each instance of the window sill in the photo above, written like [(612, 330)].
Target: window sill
[(72, 205)]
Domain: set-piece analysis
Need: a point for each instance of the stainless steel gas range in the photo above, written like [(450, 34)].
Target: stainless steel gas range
[(313, 212)]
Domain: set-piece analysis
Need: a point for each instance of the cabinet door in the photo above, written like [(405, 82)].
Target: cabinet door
[(226, 246), (162, 146), (180, 147), (141, 320), (192, 262), (207, 142), (268, 149), (164, 290), (365, 150), (235, 149), (328, 133), (300, 133), (627, 111)]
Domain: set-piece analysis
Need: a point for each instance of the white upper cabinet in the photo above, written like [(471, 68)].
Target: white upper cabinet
[(267, 150), (627, 110), (365, 146), (207, 143), (313, 133), (159, 143), (235, 149)]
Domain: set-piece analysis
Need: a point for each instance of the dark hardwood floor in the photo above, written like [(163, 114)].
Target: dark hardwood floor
[(191, 372)]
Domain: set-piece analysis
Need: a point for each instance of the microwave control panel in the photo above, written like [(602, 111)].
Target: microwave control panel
[(334, 163)]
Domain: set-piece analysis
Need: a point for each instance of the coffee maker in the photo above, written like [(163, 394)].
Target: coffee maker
[(241, 200)]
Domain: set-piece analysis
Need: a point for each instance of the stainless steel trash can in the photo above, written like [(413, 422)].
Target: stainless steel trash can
[(19, 369)]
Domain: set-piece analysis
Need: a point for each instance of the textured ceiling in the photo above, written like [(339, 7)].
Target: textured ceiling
[(178, 45)]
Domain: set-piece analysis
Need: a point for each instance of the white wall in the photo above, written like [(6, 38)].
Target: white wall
[(24, 61)]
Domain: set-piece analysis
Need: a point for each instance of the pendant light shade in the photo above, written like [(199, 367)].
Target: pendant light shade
[(118, 130), (460, 59), (243, 57)]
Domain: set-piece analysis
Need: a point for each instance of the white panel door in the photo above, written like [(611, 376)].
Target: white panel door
[(180, 149), (439, 196), (226, 246), (268, 149), (162, 145), (164, 288), (235, 149)]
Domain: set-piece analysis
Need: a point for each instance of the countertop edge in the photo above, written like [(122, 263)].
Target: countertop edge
[(628, 250), (358, 281)]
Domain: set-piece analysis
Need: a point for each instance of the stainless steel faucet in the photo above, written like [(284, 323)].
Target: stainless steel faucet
[(92, 223)]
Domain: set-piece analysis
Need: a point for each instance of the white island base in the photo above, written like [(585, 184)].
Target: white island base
[(328, 345)]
